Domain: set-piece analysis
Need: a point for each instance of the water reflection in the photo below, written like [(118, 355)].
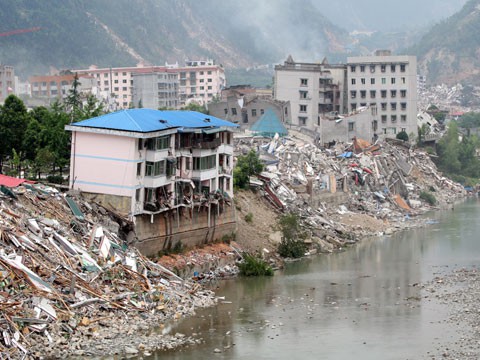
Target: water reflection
[(363, 302)]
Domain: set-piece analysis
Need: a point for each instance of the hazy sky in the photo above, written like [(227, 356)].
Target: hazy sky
[(387, 15)]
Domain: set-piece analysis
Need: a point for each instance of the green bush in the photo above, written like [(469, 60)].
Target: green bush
[(290, 248), (227, 238), (402, 135), (177, 248), (428, 197), (55, 179), (249, 218), (254, 266), (292, 244)]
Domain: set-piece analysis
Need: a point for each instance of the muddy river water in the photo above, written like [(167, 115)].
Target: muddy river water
[(364, 303)]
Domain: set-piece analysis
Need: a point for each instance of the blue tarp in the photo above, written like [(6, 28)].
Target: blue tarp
[(347, 154), (269, 125)]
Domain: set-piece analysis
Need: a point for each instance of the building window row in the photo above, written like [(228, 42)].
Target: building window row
[(205, 163), (383, 67), (383, 80)]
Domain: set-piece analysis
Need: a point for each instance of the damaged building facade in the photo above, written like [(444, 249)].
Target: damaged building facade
[(369, 97), (170, 172)]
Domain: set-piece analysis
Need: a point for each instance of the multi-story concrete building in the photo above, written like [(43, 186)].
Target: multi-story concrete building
[(170, 172), (246, 110), (156, 90), (199, 81), (388, 83), (7, 81), (57, 86), (313, 89)]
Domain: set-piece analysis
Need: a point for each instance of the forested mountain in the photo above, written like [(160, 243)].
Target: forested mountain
[(450, 51), (78, 33)]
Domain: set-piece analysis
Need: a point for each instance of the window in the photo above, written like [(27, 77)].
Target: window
[(202, 87), (205, 163), (384, 81), (352, 68), (353, 94), (353, 106), (392, 68), (303, 82), (209, 80), (402, 67), (393, 106), (202, 80), (201, 72), (403, 129), (384, 119), (105, 75), (158, 143), (383, 93), (393, 93), (403, 93), (254, 112), (226, 111), (263, 111), (372, 81), (115, 81), (303, 108), (362, 68), (139, 165), (209, 88), (372, 68), (351, 126), (354, 81), (392, 80), (209, 73), (363, 81), (403, 106), (403, 118), (403, 80), (302, 120), (383, 68), (124, 73), (137, 195), (373, 93), (234, 111), (363, 94), (115, 88), (155, 168), (394, 118), (384, 106), (105, 83), (303, 94)]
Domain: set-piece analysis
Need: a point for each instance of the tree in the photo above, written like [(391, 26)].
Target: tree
[(247, 165), (14, 120), (92, 108), (73, 101), (196, 107), (448, 150)]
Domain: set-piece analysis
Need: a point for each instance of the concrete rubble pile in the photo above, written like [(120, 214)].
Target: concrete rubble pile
[(325, 186), (67, 279)]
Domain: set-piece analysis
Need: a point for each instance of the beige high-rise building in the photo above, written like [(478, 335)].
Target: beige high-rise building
[(389, 83)]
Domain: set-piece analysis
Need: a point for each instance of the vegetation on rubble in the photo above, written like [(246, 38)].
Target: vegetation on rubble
[(253, 265), (428, 197), (292, 244), (247, 165), (35, 142), (249, 217)]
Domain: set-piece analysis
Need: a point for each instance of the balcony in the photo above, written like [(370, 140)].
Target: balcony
[(202, 144)]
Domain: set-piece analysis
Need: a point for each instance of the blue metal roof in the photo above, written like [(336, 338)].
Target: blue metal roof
[(149, 120), (269, 125)]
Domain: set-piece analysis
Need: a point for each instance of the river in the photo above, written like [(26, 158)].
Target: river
[(363, 303)]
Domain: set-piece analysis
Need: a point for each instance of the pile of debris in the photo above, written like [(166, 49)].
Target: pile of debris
[(67, 279), (326, 186)]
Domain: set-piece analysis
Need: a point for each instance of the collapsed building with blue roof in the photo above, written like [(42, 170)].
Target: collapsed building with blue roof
[(170, 172)]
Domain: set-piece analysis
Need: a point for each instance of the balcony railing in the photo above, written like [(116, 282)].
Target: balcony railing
[(202, 144)]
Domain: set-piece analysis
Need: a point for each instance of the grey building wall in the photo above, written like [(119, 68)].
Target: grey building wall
[(156, 90), (7, 81)]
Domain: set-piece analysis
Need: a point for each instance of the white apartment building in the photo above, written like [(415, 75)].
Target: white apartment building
[(313, 90), (389, 83), (7, 81), (199, 81)]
